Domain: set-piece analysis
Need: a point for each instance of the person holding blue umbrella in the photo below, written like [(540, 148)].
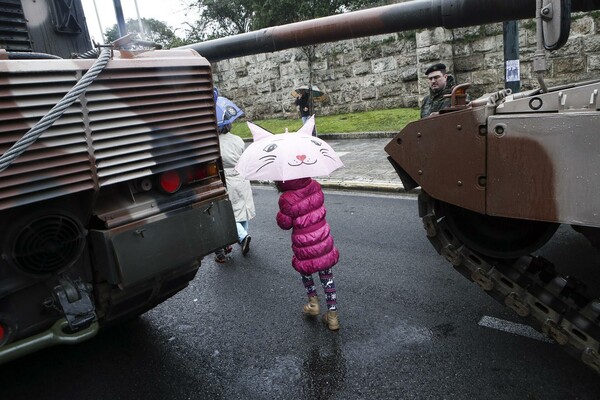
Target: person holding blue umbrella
[(227, 111), (239, 190)]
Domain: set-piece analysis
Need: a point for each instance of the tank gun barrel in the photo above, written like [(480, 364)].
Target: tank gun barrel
[(417, 14)]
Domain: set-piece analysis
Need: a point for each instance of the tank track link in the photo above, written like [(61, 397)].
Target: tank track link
[(555, 305)]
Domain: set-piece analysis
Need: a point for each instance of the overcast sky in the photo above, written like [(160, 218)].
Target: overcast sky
[(170, 12)]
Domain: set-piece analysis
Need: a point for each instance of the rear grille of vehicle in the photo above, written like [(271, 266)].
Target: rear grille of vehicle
[(140, 117), (14, 35)]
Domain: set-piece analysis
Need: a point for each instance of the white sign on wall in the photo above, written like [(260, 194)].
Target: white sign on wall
[(513, 71)]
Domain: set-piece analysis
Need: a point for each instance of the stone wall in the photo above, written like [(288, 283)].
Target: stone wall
[(386, 71)]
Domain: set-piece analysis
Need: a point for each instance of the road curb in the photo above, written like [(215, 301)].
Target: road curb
[(354, 185), (358, 135), (385, 187), (352, 135)]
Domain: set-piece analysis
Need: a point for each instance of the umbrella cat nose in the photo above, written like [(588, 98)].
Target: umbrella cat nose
[(301, 157)]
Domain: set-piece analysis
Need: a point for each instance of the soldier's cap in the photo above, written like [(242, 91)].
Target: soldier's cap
[(436, 67)]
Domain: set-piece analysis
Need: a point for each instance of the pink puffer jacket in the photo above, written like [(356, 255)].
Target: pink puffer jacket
[(301, 208)]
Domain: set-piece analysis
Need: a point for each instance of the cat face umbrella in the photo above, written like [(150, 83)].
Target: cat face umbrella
[(287, 156)]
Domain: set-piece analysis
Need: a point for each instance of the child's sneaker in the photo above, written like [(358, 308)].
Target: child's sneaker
[(312, 307), (331, 319), (221, 258), (245, 244), (221, 255)]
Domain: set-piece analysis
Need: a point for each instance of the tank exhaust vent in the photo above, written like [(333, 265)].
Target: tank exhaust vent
[(14, 35), (47, 245)]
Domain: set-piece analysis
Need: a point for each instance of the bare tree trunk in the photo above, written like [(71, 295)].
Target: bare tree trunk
[(310, 56)]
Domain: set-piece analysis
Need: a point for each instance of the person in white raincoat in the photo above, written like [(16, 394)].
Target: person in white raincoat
[(240, 192)]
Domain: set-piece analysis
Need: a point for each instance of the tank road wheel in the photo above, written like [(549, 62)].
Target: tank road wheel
[(497, 237)]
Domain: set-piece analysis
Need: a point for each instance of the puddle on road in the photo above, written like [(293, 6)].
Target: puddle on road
[(385, 342)]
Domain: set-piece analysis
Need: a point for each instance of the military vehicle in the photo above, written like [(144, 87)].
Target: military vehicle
[(111, 183), (512, 169), (480, 210), (498, 175)]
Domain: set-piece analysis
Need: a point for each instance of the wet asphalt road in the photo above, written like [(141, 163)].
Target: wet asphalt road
[(409, 328)]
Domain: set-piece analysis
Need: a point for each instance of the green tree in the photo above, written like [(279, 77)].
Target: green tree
[(218, 18), (279, 12), (154, 31)]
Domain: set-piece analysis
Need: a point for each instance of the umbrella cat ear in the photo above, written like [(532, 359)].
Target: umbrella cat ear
[(308, 127), (258, 133)]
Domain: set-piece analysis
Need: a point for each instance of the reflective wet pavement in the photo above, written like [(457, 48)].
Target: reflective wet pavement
[(409, 327)]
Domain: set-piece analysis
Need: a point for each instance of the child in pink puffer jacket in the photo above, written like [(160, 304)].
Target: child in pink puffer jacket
[(301, 209)]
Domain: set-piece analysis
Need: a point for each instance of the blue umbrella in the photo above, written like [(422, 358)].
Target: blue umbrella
[(227, 111)]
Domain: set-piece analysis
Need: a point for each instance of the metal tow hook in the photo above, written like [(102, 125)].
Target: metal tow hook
[(514, 301), (140, 232), (207, 211), (75, 300)]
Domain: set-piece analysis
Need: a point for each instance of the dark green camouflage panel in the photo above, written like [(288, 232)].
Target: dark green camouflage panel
[(435, 101)]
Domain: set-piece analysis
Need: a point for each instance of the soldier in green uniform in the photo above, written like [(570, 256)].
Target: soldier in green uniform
[(440, 84)]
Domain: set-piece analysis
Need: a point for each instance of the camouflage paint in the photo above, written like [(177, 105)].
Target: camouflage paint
[(446, 156), (148, 112)]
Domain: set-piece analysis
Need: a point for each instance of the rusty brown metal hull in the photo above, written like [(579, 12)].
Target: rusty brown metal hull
[(446, 156), (538, 166), (545, 169)]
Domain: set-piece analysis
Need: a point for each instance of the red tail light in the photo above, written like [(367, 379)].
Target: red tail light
[(197, 173), (170, 181), (2, 334)]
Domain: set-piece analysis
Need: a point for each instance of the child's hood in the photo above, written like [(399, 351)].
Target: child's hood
[(294, 184)]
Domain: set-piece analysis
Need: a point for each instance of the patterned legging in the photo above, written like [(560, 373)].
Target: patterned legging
[(328, 284)]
